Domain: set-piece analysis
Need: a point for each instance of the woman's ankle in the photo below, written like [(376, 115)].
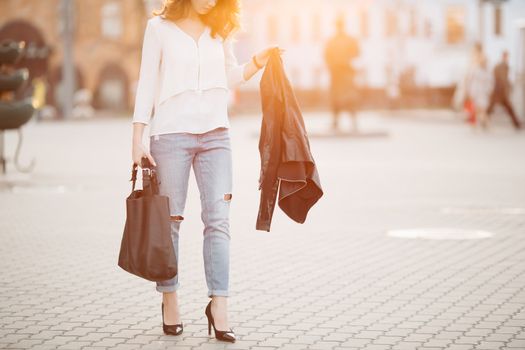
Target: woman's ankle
[(219, 305), (169, 298)]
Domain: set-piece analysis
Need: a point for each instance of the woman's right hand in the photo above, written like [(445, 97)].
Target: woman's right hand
[(263, 56), (139, 152)]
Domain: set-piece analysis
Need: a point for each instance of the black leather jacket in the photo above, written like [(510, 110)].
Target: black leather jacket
[(287, 166)]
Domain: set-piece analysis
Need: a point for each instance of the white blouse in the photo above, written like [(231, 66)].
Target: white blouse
[(183, 84)]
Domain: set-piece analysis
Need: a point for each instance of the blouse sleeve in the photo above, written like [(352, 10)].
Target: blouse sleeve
[(234, 71), (148, 76)]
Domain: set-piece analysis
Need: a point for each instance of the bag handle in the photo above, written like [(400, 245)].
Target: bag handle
[(149, 179), (133, 176)]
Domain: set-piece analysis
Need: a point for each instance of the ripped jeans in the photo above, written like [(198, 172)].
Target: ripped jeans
[(210, 155)]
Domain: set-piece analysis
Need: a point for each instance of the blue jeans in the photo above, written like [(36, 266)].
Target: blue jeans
[(210, 155)]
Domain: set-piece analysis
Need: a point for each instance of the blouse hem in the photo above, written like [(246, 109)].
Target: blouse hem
[(195, 132)]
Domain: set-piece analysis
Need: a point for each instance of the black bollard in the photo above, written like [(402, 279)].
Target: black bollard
[(13, 113)]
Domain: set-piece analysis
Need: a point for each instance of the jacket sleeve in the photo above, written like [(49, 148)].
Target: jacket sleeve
[(234, 71), (148, 76)]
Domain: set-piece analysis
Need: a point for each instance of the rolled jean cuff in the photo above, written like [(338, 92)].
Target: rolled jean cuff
[(218, 293), (167, 289)]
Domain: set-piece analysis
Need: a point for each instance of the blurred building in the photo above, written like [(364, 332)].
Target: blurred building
[(420, 45), (108, 38)]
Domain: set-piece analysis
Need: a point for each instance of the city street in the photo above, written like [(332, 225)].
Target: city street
[(341, 280)]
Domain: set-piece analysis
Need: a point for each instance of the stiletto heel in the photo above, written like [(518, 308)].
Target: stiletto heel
[(171, 329), (228, 336)]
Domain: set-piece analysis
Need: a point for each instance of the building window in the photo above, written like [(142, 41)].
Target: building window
[(318, 75), (413, 22), (111, 20), (455, 24), (316, 27), (296, 29), (498, 21), (363, 23), (272, 29), (391, 23), (428, 29)]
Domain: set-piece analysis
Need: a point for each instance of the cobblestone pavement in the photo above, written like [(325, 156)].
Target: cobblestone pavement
[(336, 282)]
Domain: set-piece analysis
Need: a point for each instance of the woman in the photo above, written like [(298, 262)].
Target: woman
[(187, 68), (479, 88), (461, 100)]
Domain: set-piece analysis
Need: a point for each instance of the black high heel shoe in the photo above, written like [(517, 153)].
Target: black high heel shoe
[(171, 329), (220, 335)]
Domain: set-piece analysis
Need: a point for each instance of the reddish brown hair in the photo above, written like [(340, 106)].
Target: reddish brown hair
[(223, 18)]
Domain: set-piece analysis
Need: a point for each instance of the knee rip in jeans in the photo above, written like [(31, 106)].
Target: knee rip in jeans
[(227, 197), (176, 218)]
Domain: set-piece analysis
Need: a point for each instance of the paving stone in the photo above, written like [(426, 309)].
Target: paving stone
[(12, 338), (46, 347), (277, 342), (258, 336), (59, 340), (377, 347), (448, 335), (108, 342), (24, 344), (490, 345), (509, 330), (414, 337), (144, 339), (459, 347), (437, 343), (499, 337), (75, 345), (65, 326), (478, 332), (78, 331), (93, 336), (340, 337), (355, 342), (34, 329), (240, 344), (324, 345), (306, 339), (126, 333), (468, 340), (401, 332), (368, 334), (407, 345), (462, 327), (520, 344), (289, 334)]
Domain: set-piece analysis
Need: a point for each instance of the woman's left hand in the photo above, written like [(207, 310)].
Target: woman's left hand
[(262, 56)]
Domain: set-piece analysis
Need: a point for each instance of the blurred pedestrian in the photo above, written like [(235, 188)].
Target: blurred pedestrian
[(461, 99), (501, 91), (187, 68), (339, 52), (479, 87), (393, 91)]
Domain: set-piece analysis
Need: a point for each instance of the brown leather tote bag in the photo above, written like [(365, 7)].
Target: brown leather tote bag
[(146, 249)]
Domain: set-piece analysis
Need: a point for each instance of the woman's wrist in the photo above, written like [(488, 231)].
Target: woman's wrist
[(256, 62)]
